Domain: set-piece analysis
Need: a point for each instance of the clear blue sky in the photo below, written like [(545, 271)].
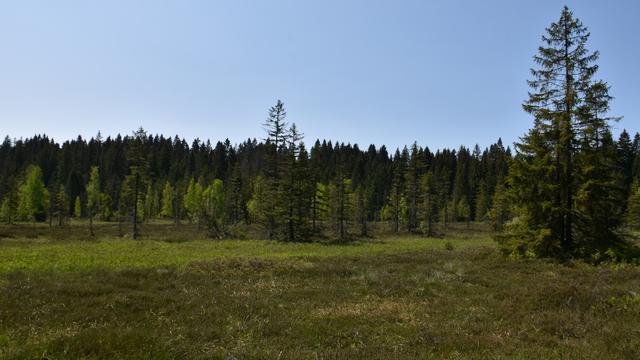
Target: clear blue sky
[(442, 73)]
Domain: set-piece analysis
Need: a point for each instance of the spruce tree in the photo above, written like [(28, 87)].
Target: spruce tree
[(550, 177), (319, 206), (271, 199), (77, 208), (632, 216), (428, 208), (62, 205), (9, 207), (340, 195), (93, 196), (413, 171)]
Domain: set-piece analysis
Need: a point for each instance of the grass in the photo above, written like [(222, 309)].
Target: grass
[(396, 298), (118, 254)]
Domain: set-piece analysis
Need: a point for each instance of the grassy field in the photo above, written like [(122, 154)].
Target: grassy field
[(378, 299)]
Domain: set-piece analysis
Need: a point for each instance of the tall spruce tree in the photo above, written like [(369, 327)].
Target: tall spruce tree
[(271, 197), (550, 178)]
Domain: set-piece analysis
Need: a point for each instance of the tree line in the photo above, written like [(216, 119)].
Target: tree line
[(294, 194)]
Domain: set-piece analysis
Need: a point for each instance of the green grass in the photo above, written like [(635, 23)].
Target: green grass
[(392, 299), (117, 254)]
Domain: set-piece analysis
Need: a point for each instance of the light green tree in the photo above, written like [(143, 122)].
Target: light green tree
[(93, 196), (33, 196), (193, 201), (212, 211), (106, 207), (168, 201), (77, 208)]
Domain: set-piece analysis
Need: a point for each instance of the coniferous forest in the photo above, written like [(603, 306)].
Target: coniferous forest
[(568, 188)]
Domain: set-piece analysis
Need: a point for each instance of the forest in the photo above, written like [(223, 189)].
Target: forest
[(295, 194), (569, 189)]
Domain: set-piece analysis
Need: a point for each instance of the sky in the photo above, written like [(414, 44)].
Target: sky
[(443, 73)]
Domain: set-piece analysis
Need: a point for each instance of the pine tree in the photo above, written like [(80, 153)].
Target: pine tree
[(482, 202), (62, 205), (463, 210), (9, 206), (414, 170), (93, 196), (340, 205), (236, 197), (444, 198), (361, 204), (139, 172), (271, 204), (549, 178), (428, 208), (319, 205), (499, 212), (626, 155), (396, 201), (77, 208), (106, 207), (294, 188), (632, 217)]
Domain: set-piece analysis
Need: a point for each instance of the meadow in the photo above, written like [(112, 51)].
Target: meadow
[(175, 294)]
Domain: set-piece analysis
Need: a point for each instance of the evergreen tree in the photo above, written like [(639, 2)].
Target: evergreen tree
[(632, 217), (271, 199), (319, 205), (106, 207), (429, 208), (62, 205), (293, 189), (482, 202), (340, 205), (361, 204), (395, 203), (414, 170), (236, 197), (9, 206), (77, 208), (499, 212), (626, 154), (549, 178), (463, 210), (93, 196)]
